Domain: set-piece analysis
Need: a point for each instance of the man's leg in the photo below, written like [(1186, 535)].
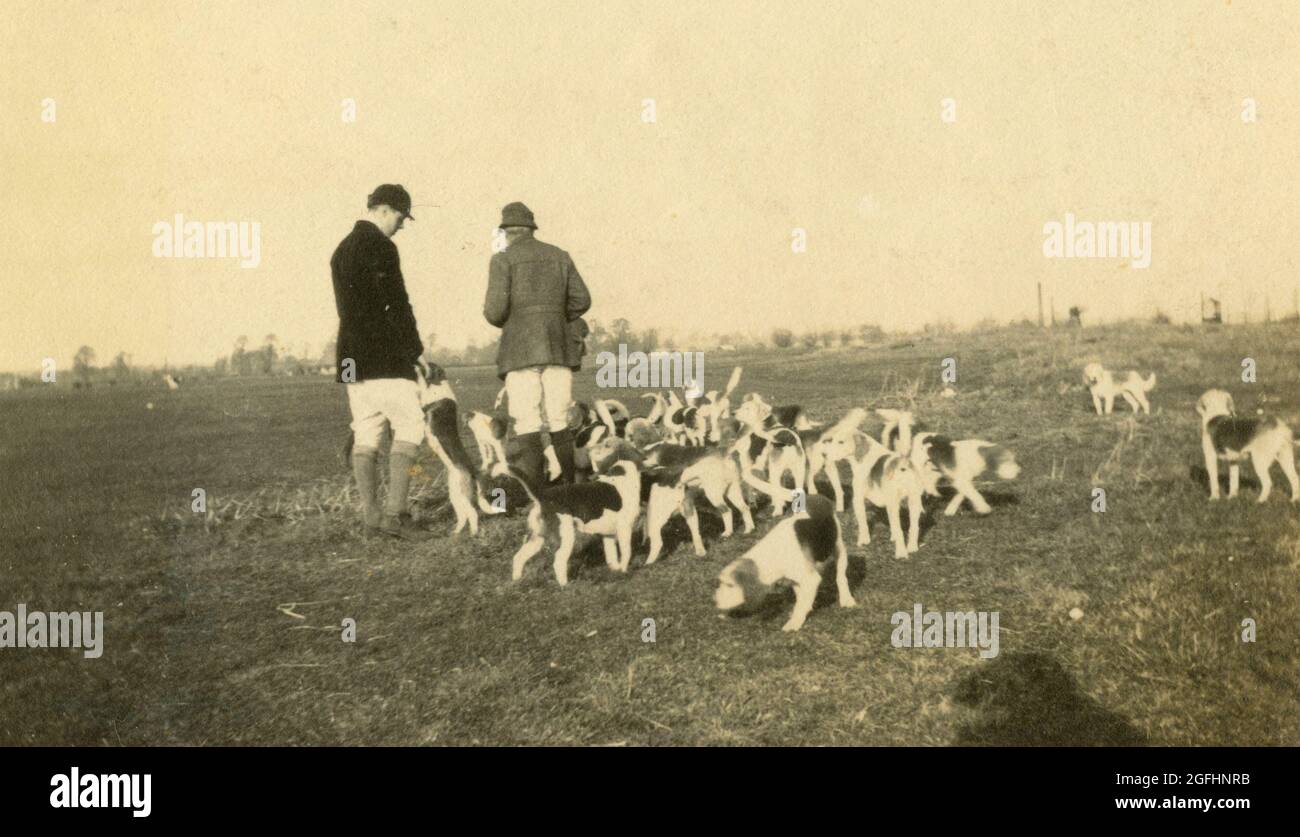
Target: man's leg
[(524, 451), (367, 432), (402, 406), (557, 393)]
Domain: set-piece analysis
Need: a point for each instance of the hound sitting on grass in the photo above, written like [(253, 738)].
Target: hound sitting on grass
[(608, 506), (796, 550), (1263, 440), (1104, 387)]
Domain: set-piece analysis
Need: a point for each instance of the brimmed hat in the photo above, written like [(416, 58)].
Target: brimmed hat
[(517, 215)]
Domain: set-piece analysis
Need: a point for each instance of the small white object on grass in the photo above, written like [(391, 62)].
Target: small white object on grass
[(1076, 614), (949, 392), (149, 406)]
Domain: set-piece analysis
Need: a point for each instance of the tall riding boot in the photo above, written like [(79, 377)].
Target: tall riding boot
[(562, 441), (526, 455), (363, 470), (400, 459)]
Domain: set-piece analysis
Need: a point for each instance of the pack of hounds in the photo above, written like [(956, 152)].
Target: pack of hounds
[(698, 448)]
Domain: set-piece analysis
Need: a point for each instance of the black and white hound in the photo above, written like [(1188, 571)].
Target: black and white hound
[(796, 550)]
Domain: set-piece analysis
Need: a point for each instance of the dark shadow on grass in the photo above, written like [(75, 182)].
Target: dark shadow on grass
[(1201, 477), (677, 534), (1029, 700)]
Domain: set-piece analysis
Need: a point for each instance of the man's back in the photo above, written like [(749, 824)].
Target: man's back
[(534, 291), (377, 330)]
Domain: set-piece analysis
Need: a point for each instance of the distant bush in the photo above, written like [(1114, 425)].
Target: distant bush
[(870, 332), (1161, 318), (783, 338)]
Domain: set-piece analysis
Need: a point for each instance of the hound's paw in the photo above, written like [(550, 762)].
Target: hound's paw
[(791, 626), (848, 601), (949, 512), (900, 552), (700, 553)]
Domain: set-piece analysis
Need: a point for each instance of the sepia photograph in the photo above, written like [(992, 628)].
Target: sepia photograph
[(576, 374)]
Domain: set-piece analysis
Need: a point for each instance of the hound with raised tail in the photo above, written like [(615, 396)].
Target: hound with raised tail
[(796, 550), (1104, 387), (886, 479), (1263, 440), (718, 407), (465, 485), (608, 506), (685, 423)]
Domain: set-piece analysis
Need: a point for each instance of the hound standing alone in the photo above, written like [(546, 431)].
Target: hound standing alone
[(1104, 387), (1263, 440)]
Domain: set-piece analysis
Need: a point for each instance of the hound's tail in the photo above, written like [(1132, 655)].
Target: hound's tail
[(780, 492), (1150, 383), (657, 411), (732, 382), (606, 418)]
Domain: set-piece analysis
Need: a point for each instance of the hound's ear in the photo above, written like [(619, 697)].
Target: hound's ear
[(744, 574), (861, 446)]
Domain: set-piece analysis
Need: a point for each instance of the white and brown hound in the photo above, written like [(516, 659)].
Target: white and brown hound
[(796, 550), (1104, 387), (607, 506), (1263, 440)]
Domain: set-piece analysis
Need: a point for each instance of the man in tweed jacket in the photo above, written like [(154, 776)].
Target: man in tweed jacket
[(537, 298)]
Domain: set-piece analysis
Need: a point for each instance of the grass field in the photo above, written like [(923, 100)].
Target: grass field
[(95, 509)]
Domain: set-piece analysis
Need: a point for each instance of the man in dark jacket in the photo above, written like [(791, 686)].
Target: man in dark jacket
[(378, 349), (536, 297)]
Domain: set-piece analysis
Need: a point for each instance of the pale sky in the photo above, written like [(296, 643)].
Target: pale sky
[(769, 117)]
